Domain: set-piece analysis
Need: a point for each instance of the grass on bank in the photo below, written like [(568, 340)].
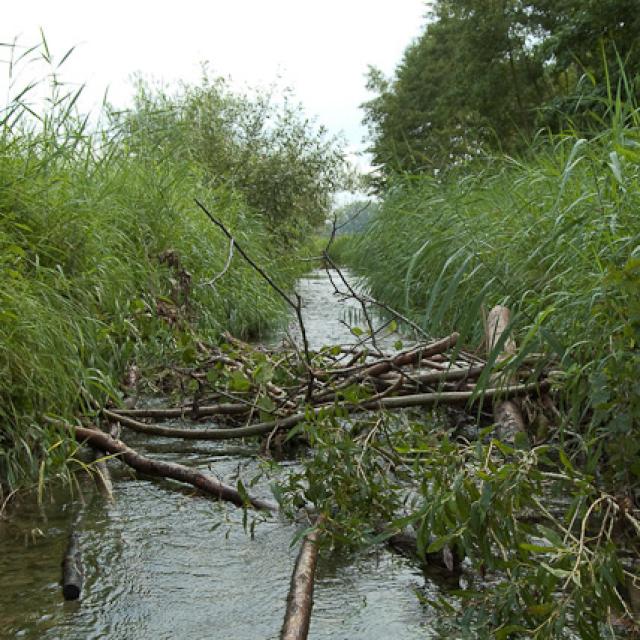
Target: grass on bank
[(106, 260), (555, 236)]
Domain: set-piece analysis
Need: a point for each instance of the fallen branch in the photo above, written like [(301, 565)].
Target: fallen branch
[(300, 598), (296, 306), (260, 428), (179, 472)]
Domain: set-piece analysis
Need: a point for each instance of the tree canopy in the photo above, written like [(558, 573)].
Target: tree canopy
[(485, 74)]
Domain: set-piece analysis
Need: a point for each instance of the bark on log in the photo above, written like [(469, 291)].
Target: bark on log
[(72, 569), (186, 412), (102, 474), (412, 357), (199, 480), (506, 413), (300, 598), (402, 359), (260, 428)]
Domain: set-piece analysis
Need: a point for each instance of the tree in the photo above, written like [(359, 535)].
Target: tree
[(283, 166), (470, 82), (483, 71)]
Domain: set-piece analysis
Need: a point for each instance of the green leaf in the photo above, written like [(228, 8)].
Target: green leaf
[(554, 571), (537, 548), (540, 610), (243, 492), (239, 382), (263, 373), (504, 632), (439, 543)]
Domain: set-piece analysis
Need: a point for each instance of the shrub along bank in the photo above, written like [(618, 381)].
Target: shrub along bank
[(106, 260), (556, 237)]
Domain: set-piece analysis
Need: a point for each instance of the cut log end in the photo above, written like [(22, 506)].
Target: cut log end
[(71, 591), (72, 570)]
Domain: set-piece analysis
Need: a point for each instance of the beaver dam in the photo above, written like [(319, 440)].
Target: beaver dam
[(207, 551)]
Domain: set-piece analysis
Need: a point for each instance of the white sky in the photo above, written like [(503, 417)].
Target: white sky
[(320, 49)]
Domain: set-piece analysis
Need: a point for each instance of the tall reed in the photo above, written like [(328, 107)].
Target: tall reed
[(106, 260), (556, 237)]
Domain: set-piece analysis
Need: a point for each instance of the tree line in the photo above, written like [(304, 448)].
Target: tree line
[(486, 75)]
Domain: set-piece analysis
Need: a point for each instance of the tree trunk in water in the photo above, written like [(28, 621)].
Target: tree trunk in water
[(72, 570), (300, 599)]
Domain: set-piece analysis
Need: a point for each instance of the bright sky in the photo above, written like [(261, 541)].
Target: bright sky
[(320, 49)]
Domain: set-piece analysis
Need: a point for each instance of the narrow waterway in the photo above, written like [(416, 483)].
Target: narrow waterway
[(161, 563)]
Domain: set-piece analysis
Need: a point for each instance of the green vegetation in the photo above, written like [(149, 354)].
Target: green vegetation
[(107, 261), (557, 239), (509, 169), (486, 75)]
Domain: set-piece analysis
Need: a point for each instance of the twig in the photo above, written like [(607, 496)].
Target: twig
[(295, 305)]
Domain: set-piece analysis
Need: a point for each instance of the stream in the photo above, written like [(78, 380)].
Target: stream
[(163, 563)]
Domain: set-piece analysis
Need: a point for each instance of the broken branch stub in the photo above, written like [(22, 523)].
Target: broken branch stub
[(506, 412)]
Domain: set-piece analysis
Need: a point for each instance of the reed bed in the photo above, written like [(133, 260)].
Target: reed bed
[(554, 236), (106, 259)]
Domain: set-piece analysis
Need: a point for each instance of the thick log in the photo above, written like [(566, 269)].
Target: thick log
[(432, 377), (260, 428), (72, 569), (506, 413), (199, 480), (300, 598)]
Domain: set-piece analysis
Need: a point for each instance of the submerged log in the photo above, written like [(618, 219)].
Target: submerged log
[(300, 598), (507, 413), (72, 569), (199, 480)]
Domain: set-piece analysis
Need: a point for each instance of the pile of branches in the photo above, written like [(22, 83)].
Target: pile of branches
[(250, 391)]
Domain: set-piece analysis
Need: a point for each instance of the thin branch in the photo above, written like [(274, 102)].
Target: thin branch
[(295, 305)]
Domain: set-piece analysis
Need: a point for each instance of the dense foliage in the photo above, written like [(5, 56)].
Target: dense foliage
[(555, 237), (105, 258), (285, 169), (484, 76)]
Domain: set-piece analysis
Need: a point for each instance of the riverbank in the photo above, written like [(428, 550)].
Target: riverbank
[(555, 237), (109, 266)]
